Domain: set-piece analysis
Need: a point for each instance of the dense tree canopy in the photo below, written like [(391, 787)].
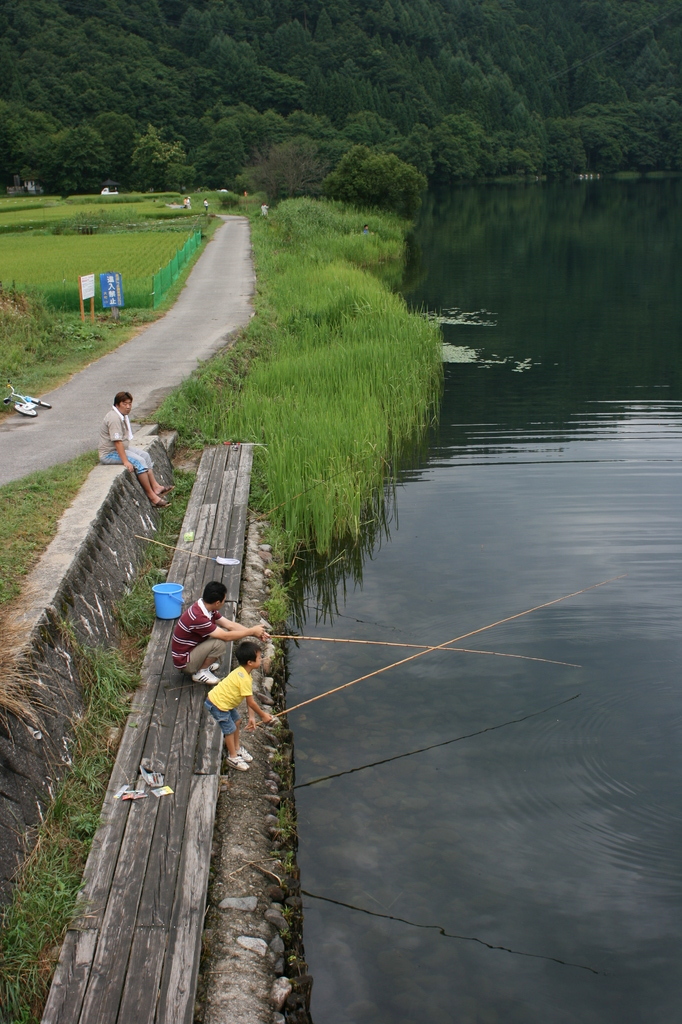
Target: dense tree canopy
[(459, 88), (366, 178)]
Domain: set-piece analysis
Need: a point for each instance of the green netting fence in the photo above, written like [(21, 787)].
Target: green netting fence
[(167, 276)]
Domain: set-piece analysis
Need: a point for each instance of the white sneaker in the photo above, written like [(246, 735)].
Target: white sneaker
[(214, 667), (204, 675), (238, 763), (244, 754)]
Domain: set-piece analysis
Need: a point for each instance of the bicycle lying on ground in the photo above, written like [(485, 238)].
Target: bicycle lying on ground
[(24, 404)]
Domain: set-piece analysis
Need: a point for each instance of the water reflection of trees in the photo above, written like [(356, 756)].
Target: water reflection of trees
[(578, 275)]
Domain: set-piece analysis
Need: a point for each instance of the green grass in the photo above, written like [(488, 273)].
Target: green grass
[(30, 510), (53, 263), (45, 245), (46, 213), (11, 204), (334, 375), (42, 347), (34, 923)]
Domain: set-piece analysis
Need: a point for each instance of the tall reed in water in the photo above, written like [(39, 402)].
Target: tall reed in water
[(343, 374)]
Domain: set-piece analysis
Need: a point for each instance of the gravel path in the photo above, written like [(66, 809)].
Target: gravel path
[(214, 303)]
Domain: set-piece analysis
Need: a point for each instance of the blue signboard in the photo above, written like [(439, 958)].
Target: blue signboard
[(112, 290)]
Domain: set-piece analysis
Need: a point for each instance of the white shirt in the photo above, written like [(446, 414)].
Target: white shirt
[(126, 423)]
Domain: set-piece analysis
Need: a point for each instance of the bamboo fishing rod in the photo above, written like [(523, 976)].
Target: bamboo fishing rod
[(173, 547), (192, 554), (421, 647), (456, 639)]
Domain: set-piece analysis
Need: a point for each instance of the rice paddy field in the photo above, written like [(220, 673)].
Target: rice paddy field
[(48, 216), (340, 374), (47, 242), (45, 212), (53, 263)]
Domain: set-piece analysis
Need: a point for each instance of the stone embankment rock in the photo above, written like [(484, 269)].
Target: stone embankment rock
[(79, 579), (253, 967)]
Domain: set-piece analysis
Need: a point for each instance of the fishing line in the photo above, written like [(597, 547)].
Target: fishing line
[(611, 46), (454, 640), (421, 647), (351, 618), (433, 746), (449, 935)]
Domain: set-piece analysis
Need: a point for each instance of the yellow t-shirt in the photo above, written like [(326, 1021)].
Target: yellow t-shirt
[(231, 690)]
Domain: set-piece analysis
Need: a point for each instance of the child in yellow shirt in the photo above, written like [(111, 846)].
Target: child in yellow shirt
[(225, 697)]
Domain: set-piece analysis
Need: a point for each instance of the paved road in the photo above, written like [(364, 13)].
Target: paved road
[(215, 301)]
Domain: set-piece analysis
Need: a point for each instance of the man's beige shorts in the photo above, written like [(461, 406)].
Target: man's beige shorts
[(213, 649)]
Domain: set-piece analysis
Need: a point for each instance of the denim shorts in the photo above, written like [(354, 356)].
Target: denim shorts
[(227, 720), (138, 459)]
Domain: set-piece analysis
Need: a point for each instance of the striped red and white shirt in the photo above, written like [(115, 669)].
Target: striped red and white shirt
[(194, 625)]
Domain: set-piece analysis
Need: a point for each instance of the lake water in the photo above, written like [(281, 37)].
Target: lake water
[(530, 873)]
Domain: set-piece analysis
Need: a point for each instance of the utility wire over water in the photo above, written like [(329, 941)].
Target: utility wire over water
[(433, 746), (450, 935)]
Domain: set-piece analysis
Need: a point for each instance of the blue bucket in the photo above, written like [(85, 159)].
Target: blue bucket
[(168, 600)]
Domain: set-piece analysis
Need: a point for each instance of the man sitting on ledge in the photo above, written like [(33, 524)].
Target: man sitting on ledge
[(114, 448), (202, 633)]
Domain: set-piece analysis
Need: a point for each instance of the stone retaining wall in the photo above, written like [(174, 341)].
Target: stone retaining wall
[(84, 572)]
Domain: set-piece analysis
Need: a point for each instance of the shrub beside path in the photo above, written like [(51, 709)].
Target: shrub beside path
[(215, 302)]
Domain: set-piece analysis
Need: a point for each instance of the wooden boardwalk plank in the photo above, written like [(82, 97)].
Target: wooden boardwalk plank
[(181, 559), (236, 536), (209, 745), (214, 484), (141, 990), (101, 863), (110, 963), (221, 525), (162, 723), (181, 965), (157, 898), (134, 953), (68, 985)]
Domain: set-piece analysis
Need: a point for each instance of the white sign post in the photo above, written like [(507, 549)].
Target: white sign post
[(86, 290)]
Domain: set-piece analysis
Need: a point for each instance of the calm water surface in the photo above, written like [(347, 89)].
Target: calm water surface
[(555, 836)]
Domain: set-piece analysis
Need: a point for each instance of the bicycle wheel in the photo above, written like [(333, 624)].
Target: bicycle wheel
[(25, 409)]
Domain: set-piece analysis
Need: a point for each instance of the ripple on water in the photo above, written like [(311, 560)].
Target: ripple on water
[(592, 804)]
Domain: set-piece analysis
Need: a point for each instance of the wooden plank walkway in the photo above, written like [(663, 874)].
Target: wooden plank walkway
[(133, 953)]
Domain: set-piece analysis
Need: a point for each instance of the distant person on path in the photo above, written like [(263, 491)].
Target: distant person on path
[(187, 203), (114, 448), (206, 206), (202, 633), (264, 210), (365, 230), (224, 699)]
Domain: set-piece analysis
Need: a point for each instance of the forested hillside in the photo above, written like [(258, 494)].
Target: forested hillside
[(166, 93)]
